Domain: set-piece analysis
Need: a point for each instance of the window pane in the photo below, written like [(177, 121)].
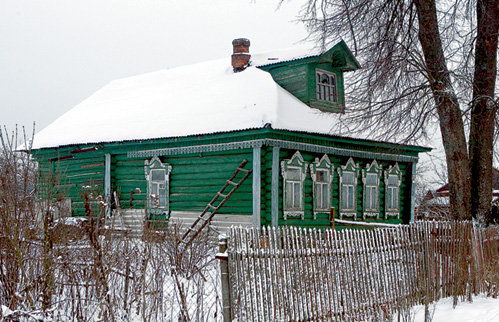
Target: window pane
[(289, 195), (318, 196), (293, 174), (395, 198), (389, 192), (158, 175), (321, 196), (162, 196), (371, 179), (368, 198), (344, 197), (325, 197), (154, 189), (297, 198), (350, 197), (324, 79), (322, 175), (348, 178), (393, 180)]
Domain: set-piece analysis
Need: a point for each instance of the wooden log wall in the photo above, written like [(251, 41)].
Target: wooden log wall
[(73, 175), (295, 274), (322, 219), (194, 180)]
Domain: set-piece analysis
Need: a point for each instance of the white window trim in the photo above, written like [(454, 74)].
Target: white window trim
[(323, 164), (375, 169), (332, 87), (155, 164), (351, 167), (393, 212), (296, 162)]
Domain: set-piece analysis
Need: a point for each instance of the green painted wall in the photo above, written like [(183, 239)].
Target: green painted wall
[(73, 177), (322, 219), (194, 181), (293, 78), (195, 178)]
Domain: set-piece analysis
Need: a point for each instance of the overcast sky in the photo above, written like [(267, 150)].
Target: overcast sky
[(55, 53)]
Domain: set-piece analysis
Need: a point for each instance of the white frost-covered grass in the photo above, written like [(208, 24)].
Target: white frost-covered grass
[(481, 309)]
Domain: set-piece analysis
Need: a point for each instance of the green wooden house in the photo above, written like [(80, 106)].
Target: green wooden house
[(166, 141)]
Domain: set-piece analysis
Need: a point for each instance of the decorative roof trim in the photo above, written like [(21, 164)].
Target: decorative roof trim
[(270, 142)]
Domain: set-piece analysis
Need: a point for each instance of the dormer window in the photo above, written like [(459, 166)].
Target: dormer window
[(326, 86)]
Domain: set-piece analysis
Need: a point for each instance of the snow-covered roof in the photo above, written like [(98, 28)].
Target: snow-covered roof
[(284, 55), (190, 100)]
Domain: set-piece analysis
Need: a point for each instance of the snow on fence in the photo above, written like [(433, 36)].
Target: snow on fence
[(294, 274)]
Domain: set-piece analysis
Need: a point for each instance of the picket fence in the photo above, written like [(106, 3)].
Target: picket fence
[(296, 274)]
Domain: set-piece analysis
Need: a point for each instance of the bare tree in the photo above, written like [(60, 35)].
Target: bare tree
[(424, 61), (19, 288)]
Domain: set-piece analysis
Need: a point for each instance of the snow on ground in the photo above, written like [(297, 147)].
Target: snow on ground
[(482, 309)]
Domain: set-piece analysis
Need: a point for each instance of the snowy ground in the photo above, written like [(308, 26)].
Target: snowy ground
[(482, 309)]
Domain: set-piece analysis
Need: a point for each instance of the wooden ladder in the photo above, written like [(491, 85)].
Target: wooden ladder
[(211, 209)]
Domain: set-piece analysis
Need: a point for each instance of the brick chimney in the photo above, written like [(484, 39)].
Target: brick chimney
[(241, 56)]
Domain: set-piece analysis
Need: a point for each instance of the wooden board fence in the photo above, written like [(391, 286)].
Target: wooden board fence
[(295, 274)]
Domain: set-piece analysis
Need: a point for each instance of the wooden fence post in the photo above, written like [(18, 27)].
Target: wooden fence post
[(331, 217), (223, 257)]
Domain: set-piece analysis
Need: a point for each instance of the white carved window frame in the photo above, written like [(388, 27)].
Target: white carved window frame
[(392, 191), (295, 163), (371, 190), (326, 86), (324, 164), (157, 204), (353, 168)]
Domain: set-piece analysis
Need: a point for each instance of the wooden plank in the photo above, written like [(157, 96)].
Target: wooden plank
[(306, 280), (256, 186), (275, 186), (107, 183)]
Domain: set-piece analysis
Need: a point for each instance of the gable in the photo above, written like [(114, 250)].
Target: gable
[(301, 76)]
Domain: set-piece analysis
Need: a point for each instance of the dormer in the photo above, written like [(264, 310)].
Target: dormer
[(316, 78)]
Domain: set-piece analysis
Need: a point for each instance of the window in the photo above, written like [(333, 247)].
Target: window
[(371, 177), (326, 86), (348, 185), (293, 172), (392, 191), (321, 172), (158, 178)]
